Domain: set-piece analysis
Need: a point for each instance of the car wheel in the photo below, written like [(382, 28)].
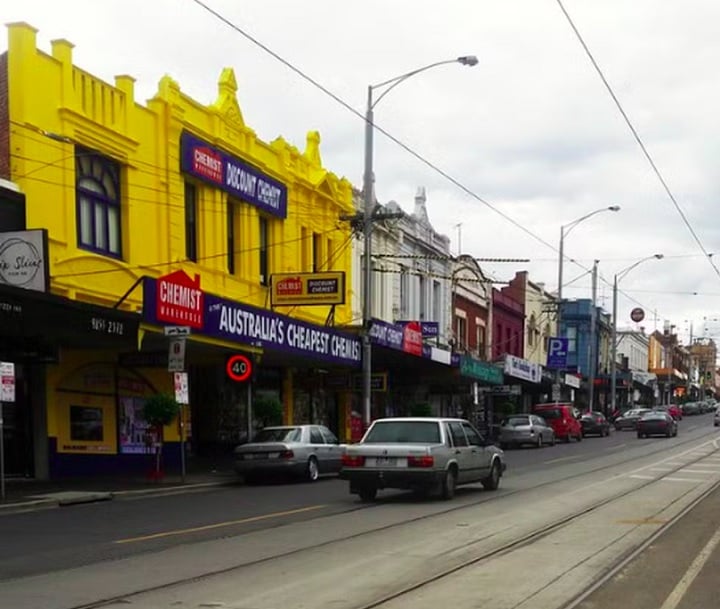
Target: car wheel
[(539, 442), (568, 438), (367, 493), (580, 437), (312, 473), (492, 482), (640, 436), (448, 484), (552, 440)]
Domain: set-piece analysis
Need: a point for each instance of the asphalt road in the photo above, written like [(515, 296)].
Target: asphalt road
[(49, 540)]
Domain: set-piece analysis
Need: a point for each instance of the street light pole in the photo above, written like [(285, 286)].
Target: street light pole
[(613, 344), (561, 250), (368, 219), (564, 231)]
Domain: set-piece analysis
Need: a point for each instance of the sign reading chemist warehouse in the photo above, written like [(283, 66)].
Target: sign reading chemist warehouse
[(239, 322), (236, 177)]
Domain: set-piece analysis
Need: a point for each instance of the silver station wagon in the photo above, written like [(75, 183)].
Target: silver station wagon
[(423, 454)]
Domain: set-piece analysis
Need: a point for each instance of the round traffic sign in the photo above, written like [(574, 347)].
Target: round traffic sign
[(637, 314), (239, 368)]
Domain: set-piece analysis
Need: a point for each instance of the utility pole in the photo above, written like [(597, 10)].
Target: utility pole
[(593, 353)]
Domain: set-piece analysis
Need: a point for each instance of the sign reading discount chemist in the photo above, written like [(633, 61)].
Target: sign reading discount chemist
[(236, 177)]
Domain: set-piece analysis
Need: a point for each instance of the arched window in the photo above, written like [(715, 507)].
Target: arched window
[(97, 185), (531, 330)]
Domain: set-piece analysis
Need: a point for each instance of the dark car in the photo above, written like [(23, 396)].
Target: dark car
[(629, 419), (595, 423), (656, 424)]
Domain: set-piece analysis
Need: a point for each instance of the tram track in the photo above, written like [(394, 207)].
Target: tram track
[(526, 539)]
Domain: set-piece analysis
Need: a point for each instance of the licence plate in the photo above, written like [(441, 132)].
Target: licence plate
[(256, 456), (386, 462)]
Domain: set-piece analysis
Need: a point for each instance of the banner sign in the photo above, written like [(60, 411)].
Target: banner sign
[(407, 338), (217, 168), (482, 371), (23, 259), (242, 323), (522, 369), (179, 300), (307, 288), (430, 329)]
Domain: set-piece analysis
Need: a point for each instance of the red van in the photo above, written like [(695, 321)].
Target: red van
[(563, 417)]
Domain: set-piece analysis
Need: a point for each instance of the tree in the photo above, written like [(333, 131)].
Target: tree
[(159, 410), (267, 410)]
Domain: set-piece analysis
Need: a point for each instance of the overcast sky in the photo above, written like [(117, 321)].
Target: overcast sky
[(531, 130)]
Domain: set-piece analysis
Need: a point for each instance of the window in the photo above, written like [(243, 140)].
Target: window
[(458, 435), (437, 301), (264, 250), (403, 432), (546, 337), (421, 297), (329, 436), (480, 330), (571, 333), (531, 331), (329, 255), (461, 332), (404, 289), (97, 183), (316, 436), (474, 438), (191, 222), (231, 249), (316, 253)]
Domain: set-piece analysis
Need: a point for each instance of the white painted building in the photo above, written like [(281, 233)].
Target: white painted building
[(634, 346), (412, 269)]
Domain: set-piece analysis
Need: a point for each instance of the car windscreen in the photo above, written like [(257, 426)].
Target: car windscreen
[(404, 432), (279, 434), (654, 416), (550, 413), (517, 421)]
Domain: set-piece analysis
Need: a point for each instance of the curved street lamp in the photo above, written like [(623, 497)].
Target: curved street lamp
[(613, 345), (368, 179), (564, 232)]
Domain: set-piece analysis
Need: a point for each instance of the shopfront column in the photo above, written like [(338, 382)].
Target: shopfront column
[(287, 396)]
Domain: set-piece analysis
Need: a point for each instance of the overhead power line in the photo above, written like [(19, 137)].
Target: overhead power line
[(638, 139), (433, 166)]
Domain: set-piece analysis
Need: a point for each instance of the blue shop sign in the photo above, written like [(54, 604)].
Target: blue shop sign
[(213, 166), (242, 323), (430, 329)]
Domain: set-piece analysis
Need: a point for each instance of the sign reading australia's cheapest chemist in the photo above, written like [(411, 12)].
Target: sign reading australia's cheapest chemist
[(211, 165), (237, 321)]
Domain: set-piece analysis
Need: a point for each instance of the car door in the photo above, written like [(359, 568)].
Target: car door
[(319, 448), (544, 429), (480, 454), (460, 450), (334, 452)]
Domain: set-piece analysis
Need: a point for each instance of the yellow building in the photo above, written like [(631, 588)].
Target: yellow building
[(176, 213)]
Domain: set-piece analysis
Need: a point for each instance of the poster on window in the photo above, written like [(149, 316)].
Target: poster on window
[(135, 437)]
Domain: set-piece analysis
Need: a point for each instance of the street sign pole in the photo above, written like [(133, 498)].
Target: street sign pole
[(2, 454), (249, 410)]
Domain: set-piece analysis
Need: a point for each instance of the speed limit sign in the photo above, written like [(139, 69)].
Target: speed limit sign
[(239, 368)]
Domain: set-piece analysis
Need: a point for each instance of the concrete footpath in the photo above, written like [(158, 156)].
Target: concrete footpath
[(679, 570), (28, 494)]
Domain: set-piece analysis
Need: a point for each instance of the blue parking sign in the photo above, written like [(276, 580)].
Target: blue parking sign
[(557, 353)]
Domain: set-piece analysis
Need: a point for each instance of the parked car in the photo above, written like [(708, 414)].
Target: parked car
[(298, 450), (655, 423), (423, 454), (691, 408), (562, 417), (629, 419), (716, 419), (521, 429), (595, 423), (672, 409)]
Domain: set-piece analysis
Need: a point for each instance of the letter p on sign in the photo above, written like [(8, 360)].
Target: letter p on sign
[(557, 353)]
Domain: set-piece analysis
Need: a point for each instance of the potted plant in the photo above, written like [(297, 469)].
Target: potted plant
[(159, 410)]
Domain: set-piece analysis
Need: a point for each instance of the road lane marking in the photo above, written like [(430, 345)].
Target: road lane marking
[(616, 447), (642, 477), (674, 479), (680, 590), (699, 471), (218, 525)]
